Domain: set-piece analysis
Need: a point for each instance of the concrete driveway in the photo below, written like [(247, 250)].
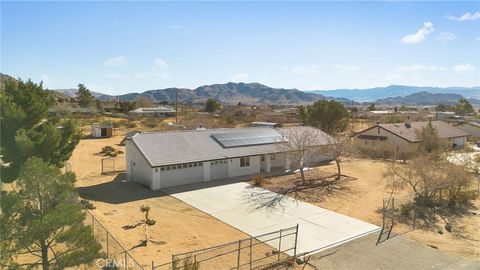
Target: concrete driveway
[(247, 209)]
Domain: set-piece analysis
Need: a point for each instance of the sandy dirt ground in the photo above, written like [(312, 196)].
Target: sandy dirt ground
[(362, 198), (179, 227)]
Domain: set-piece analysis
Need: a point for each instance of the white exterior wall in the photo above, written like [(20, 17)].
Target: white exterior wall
[(235, 170), (96, 131), (459, 142), (137, 168), (470, 129)]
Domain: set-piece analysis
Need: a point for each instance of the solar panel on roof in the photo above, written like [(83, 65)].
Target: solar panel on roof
[(257, 137)]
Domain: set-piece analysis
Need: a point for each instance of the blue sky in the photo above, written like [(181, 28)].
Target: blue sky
[(120, 47)]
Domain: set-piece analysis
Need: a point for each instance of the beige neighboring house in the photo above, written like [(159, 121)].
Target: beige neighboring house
[(472, 128), (159, 111), (404, 135), (272, 117)]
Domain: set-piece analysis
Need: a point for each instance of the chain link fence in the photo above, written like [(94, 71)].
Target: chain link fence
[(114, 256), (265, 251)]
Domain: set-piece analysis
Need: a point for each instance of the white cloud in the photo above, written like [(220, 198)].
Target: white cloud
[(420, 35), (465, 17), (342, 69), (417, 67), (175, 27), (159, 71), (116, 61), (393, 77), (306, 69), (47, 82), (465, 68), (240, 77), (446, 36), (477, 39)]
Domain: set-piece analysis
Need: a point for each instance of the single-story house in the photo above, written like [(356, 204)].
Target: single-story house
[(166, 159), (159, 111), (102, 130), (404, 135), (472, 128), (274, 117)]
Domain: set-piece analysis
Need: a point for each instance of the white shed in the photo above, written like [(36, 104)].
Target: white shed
[(103, 130)]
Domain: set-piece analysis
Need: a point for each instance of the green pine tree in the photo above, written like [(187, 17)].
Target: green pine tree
[(85, 98), (28, 130), (42, 223)]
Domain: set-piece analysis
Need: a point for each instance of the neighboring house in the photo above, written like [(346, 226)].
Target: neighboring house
[(102, 130), (166, 159), (404, 135), (273, 117), (445, 115), (159, 111), (472, 128)]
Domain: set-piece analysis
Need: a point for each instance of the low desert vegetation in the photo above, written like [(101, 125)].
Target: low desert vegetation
[(110, 151)]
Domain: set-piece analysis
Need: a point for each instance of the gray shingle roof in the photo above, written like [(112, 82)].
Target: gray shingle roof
[(176, 147), (444, 130)]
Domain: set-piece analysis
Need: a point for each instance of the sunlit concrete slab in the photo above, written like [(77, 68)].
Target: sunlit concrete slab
[(246, 208)]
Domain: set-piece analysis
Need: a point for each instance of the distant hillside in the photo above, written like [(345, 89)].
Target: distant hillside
[(229, 93), (72, 92), (425, 98), (371, 94)]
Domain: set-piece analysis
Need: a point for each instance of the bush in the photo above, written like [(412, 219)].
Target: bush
[(131, 124), (116, 124), (150, 122), (110, 151), (258, 180), (87, 204), (406, 209)]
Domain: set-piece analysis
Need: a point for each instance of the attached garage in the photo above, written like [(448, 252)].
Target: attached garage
[(166, 159)]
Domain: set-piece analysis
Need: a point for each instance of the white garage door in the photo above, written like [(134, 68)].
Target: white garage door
[(177, 175), (219, 169)]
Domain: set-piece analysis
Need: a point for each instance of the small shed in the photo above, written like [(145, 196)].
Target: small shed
[(102, 130)]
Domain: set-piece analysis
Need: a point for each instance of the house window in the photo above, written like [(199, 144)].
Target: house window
[(245, 162), (200, 164), (162, 169), (156, 169), (262, 158), (184, 165), (190, 165), (195, 164), (179, 166), (168, 168), (272, 156)]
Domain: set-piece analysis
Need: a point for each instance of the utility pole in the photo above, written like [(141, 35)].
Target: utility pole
[(176, 106)]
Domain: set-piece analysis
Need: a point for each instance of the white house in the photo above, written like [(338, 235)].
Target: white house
[(159, 111), (472, 128), (165, 159)]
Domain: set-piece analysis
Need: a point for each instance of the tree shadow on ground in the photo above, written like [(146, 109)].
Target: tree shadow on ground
[(314, 190)]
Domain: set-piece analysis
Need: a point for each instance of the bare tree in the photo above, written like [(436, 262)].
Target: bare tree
[(305, 146), (143, 101)]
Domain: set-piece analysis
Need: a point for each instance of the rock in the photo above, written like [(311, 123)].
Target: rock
[(299, 261), (440, 232), (448, 227)]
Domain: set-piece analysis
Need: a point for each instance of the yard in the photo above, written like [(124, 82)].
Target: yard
[(362, 198), (182, 228), (179, 227)]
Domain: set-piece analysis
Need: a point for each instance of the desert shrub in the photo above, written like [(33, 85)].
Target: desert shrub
[(123, 122), (110, 151), (187, 264), (150, 122), (116, 124), (87, 204), (258, 180), (131, 124), (406, 209), (462, 198)]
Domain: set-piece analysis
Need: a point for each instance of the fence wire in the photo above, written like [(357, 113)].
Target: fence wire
[(113, 254), (260, 252)]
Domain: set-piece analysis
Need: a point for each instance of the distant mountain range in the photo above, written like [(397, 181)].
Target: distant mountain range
[(379, 93), (228, 93), (425, 98), (255, 93)]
